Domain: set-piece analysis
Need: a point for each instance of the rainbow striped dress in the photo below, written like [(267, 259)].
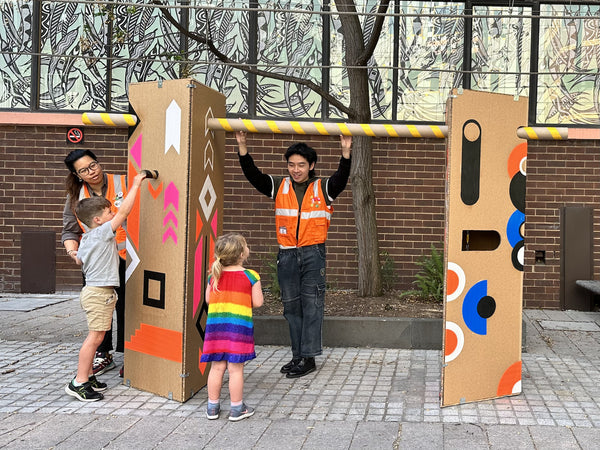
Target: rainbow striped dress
[(229, 333)]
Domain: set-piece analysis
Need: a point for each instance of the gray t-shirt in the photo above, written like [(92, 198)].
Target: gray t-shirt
[(100, 257)]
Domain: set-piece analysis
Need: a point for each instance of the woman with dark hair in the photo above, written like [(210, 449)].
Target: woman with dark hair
[(87, 179)]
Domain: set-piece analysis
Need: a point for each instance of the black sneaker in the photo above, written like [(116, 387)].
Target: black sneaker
[(289, 366), (83, 393), (304, 367), (96, 384)]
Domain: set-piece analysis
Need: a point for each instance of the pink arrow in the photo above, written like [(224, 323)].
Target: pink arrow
[(170, 216)]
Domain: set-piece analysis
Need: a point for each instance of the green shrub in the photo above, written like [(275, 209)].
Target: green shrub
[(388, 273), (269, 277), (429, 281)]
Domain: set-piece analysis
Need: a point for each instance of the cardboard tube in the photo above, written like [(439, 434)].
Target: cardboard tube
[(329, 128)]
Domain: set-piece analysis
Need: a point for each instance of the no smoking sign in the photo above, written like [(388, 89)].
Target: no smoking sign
[(75, 136)]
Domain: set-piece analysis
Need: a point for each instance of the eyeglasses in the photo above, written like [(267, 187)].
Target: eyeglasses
[(93, 166)]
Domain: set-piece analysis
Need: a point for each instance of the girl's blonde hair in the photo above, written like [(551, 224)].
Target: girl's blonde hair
[(228, 250)]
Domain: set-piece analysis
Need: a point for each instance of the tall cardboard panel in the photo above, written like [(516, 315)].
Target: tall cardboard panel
[(485, 215), (171, 234)]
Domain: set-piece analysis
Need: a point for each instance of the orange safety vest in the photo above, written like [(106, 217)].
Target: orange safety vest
[(116, 191), (314, 216)]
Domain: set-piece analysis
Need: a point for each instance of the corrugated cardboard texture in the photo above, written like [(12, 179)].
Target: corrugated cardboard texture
[(172, 233), (484, 244)]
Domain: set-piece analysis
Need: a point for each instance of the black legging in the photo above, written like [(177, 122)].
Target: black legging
[(107, 342)]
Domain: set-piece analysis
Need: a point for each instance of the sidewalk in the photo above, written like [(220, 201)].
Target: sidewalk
[(360, 397)]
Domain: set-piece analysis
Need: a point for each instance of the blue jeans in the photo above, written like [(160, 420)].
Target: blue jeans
[(301, 274)]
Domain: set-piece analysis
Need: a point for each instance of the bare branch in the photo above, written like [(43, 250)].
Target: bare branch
[(250, 69)]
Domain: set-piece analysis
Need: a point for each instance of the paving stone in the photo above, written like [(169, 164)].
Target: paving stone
[(508, 436), (421, 436), (465, 436), (569, 325), (587, 438), (550, 438)]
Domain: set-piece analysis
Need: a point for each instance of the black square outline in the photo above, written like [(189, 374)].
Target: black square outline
[(156, 276)]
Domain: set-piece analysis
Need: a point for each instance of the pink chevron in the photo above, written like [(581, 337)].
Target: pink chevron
[(170, 216), (170, 233), (197, 296), (172, 196), (136, 151)]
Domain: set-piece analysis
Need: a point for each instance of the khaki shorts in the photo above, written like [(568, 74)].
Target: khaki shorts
[(98, 304)]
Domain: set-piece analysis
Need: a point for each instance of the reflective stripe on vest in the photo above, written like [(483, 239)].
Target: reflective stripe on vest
[(116, 191), (314, 216)]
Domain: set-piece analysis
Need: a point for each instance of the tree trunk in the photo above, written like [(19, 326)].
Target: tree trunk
[(363, 202), (363, 193)]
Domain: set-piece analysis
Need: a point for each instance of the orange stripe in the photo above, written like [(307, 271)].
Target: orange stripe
[(199, 225), (133, 220), (232, 297), (159, 342)]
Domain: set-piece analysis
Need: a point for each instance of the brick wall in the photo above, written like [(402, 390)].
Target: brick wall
[(409, 187), (32, 191), (562, 173)]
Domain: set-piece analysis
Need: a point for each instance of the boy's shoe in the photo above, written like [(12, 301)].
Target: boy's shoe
[(103, 362), (240, 413), (96, 384), (83, 393), (213, 411)]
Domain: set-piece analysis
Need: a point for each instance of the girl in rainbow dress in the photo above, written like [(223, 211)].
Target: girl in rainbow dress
[(231, 294)]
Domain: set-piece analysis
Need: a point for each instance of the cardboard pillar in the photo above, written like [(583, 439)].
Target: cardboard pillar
[(171, 234), (485, 216)]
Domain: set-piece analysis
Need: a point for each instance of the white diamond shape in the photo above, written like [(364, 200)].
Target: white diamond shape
[(207, 189)]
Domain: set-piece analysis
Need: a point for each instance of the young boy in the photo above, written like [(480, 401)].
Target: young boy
[(99, 257)]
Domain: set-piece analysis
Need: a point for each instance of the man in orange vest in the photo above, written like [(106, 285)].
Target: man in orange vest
[(302, 216)]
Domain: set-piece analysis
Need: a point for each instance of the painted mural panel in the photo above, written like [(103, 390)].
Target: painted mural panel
[(431, 56), (500, 50), (569, 44), (381, 64), (15, 63), (146, 48), (230, 29), (90, 52), (73, 71)]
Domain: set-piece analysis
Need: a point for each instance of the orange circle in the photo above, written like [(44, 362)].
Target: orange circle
[(451, 281), (451, 342), (515, 159)]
